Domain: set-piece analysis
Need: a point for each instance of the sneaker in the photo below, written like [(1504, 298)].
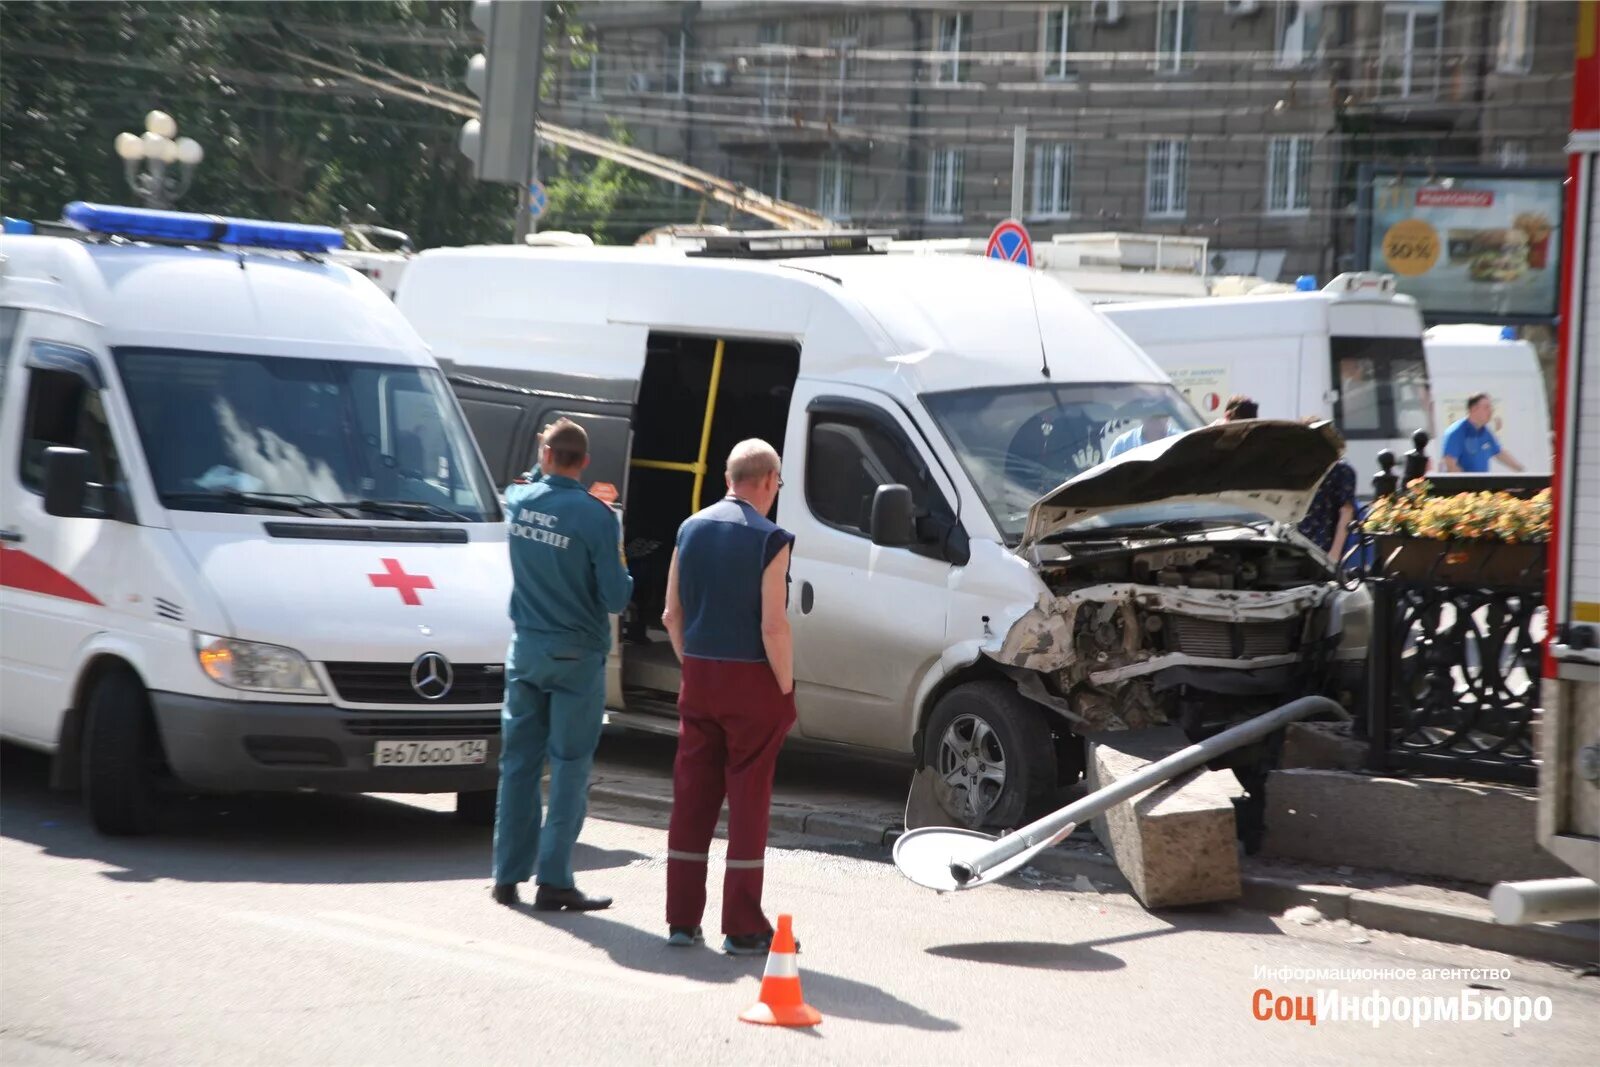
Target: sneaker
[(686, 936)]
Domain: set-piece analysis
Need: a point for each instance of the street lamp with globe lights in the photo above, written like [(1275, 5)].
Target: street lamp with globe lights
[(158, 148)]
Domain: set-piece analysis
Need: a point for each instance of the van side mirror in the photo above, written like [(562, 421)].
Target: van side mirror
[(894, 522), (66, 481)]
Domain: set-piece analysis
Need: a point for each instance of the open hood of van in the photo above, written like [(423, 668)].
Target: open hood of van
[(1265, 466)]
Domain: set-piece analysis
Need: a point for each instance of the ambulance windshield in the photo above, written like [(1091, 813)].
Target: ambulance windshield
[(327, 438), (1019, 442)]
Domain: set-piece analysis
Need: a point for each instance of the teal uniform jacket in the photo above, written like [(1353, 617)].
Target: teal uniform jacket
[(568, 575)]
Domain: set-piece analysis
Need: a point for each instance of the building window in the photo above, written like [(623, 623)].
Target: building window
[(1512, 154), (1052, 180), (594, 71), (833, 188), (1514, 53), (773, 178), (1409, 50), (1174, 35), (675, 61), (1289, 175), (1167, 179), (952, 34), (768, 36), (944, 184), (1055, 43), (1299, 32)]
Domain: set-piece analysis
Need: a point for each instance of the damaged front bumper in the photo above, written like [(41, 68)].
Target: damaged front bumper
[(1125, 655)]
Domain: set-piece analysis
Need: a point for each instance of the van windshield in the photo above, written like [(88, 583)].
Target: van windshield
[(1017, 443), (327, 438)]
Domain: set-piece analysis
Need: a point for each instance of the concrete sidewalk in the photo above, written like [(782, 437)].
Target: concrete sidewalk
[(842, 798)]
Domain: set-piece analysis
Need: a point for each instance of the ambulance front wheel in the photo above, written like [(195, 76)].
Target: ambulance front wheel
[(992, 754), (121, 756), (477, 807)]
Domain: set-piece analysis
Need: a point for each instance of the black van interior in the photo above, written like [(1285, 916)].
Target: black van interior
[(754, 383)]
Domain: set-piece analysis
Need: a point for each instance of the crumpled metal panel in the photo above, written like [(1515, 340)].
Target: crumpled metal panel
[(1049, 639)]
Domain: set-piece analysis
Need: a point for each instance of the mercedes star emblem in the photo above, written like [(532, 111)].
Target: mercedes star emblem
[(432, 676)]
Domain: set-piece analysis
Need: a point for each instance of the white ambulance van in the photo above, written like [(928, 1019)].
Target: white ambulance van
[(246, 539), (1351, 352), (973, 586)]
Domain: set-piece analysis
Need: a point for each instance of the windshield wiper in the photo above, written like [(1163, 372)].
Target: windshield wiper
[(406, 509), (295, 502)]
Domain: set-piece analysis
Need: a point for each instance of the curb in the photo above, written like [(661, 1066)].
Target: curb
[(1374, 910)]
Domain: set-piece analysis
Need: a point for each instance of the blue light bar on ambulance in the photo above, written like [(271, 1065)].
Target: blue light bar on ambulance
[(113, 220)]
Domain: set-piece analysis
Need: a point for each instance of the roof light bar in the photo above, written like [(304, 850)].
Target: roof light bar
[(763, 244), (119, 221)]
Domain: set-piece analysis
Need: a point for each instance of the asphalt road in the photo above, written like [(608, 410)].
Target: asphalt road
[(358, 930)]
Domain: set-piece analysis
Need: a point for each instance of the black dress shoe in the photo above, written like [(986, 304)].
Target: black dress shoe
[(507, 894), (549, 898)]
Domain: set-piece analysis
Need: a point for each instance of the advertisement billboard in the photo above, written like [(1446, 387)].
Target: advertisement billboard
[(1469, 244)]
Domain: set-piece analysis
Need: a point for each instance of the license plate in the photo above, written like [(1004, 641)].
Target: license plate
[(429, 753)]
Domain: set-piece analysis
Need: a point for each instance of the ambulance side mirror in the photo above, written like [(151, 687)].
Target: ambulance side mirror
[(894, 523), (66, 481)]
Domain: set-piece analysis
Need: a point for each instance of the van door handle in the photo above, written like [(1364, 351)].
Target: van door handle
[(807, 598), (12, 537)]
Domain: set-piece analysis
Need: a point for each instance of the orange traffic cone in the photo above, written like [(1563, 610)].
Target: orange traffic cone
[(782, 1003)]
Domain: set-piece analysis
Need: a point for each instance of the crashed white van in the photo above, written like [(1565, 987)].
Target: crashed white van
[(246, 542), (970, 585)]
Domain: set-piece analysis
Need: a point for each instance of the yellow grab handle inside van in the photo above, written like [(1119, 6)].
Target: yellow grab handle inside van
[(705, 431), (698, 468)]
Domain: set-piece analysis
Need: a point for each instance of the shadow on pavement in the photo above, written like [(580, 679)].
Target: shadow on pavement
[(647, 950), (267, 837), (1087, 955)]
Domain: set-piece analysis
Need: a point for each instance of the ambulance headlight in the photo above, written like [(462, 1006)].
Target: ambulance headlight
[(254, 666)]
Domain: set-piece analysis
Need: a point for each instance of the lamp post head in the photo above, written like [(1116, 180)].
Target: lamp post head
[(161, 123), (189, 151), (130, 147)]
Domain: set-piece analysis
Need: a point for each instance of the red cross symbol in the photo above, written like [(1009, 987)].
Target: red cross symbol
[(395, 577)]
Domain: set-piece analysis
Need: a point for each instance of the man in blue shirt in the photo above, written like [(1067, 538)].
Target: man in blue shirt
[(568, 578), (1153, 428), (1469, 444), (727, 604)]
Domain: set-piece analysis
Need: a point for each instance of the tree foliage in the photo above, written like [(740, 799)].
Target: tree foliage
[(281, 140)]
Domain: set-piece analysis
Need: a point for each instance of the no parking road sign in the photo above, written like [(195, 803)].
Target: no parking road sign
[(1010, 242)]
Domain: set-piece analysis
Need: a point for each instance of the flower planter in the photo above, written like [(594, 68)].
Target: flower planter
[(1480, 563)]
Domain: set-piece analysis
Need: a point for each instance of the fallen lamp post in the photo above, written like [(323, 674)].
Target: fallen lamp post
[(949, 858)]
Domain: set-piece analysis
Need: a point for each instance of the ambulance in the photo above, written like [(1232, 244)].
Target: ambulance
[(975, 586), (247, 541)]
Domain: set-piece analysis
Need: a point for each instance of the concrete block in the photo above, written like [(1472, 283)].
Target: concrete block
[(1468, 831), (1178, 844), (1326, 746)]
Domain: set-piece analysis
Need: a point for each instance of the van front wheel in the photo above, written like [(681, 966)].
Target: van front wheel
[(991, 753), (121, 754)]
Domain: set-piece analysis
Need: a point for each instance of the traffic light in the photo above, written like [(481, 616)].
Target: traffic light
[(505, 77)]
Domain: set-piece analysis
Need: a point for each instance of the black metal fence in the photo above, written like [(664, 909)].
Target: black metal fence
[(1454, 658), (1453, 679)]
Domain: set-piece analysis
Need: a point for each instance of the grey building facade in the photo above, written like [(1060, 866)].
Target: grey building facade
[(1243, 121)]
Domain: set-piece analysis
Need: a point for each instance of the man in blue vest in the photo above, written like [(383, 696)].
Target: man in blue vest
[(568, 578), (1469, 444), (727, 615)]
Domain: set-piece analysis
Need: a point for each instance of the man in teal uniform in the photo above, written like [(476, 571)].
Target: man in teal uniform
[(568, 578)]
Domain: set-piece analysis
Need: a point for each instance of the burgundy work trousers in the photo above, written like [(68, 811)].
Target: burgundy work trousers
[(732, 721)]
